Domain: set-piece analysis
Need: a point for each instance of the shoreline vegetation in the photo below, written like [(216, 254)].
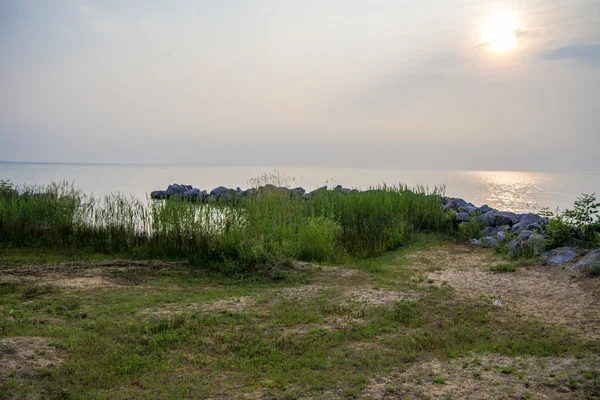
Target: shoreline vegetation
[(394, 292)]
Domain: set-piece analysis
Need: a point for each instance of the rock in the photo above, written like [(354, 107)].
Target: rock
[(458, 204), (489, 242), (219, 190), (526, 221), (559, 255), (484, 209), (250, 192), (177, 190), (158, 194), (476, 242), (536, 244), (487, 219), (462, 217), (487, 231), (590, 262), (507, 218), (524, 235), (515, 248), (298, 191), (195, 195), (501, 236)]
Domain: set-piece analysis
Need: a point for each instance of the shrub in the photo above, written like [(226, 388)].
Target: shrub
[(317, 239), (559, 232)]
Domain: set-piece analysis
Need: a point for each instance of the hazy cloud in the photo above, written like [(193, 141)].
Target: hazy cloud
[(589, 53), (519, 34)]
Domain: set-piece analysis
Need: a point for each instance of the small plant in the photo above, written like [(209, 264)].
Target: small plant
[(507, 370), (504, 268), (439, 381)]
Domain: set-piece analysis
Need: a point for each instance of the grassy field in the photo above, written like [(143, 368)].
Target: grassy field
[(411, 323)]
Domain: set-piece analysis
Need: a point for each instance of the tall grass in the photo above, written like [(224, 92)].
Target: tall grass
[(271, 226)]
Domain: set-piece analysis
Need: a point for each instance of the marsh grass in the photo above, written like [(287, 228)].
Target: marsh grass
[(240, 235)]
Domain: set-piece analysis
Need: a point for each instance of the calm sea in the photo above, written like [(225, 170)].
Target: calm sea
[(505, 190)]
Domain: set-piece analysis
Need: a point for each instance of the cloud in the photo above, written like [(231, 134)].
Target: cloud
[(518, 34), (589, 53)]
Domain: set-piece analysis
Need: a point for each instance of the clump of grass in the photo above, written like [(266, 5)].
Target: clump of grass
[(504, 268)]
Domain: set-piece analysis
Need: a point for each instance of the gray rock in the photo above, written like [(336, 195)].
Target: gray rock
[(487, 219), (536, 244), (507, 218), (476, 242), (462, 217), (158, 194), (515, 248), (485, 208), (527, 220), (524, 235), (590, 262), (194, 195), (458, 204), (559, 255), (489, 242), (177, 190), (219, 190), (501, 236), (298, 191), (487, 231)]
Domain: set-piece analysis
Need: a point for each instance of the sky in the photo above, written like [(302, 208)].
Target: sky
[(429, 84)]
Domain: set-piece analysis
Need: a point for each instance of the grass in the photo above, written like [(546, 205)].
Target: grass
[(504, 268), (140, 338), (238, 236)]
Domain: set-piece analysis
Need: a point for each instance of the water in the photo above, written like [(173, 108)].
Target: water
[(504, 190)]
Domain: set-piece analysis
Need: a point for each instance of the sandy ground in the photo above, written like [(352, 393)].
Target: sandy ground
[(554, 294), (23, 357)]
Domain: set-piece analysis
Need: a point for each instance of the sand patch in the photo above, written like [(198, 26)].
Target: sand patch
[(549, 294), (23, 357), (81, 282), (235, 304), (491, 377)]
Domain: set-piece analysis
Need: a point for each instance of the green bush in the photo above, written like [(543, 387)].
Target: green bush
[(559, 233), (318, 238)]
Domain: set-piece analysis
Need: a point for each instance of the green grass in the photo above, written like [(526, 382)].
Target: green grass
[(238, 237), (504, 268), (115, 346)]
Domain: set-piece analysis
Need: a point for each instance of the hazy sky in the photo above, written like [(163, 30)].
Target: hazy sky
[(459, 84)]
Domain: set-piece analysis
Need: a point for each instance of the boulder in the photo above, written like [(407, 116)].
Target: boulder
[(462, 217), (590, 262), (501, 236), (536, 244), (507, 218), (195, 195), (458, 204), (524, 235), (559, 255), (158, 194), (177, 190), (219, 190), (476, 242), (487, 219), (527, 221), (530, 244), (489, 242), (298, 191), (484, 209)]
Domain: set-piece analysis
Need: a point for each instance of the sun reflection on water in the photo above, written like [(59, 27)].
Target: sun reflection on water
[(510, 190)]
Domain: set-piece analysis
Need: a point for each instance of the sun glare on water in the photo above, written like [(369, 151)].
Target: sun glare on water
[(498, 32)]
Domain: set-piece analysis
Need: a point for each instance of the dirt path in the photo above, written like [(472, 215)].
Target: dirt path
[(552, 294)]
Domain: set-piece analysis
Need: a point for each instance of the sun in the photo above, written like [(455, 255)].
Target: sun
[(498, 32)]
